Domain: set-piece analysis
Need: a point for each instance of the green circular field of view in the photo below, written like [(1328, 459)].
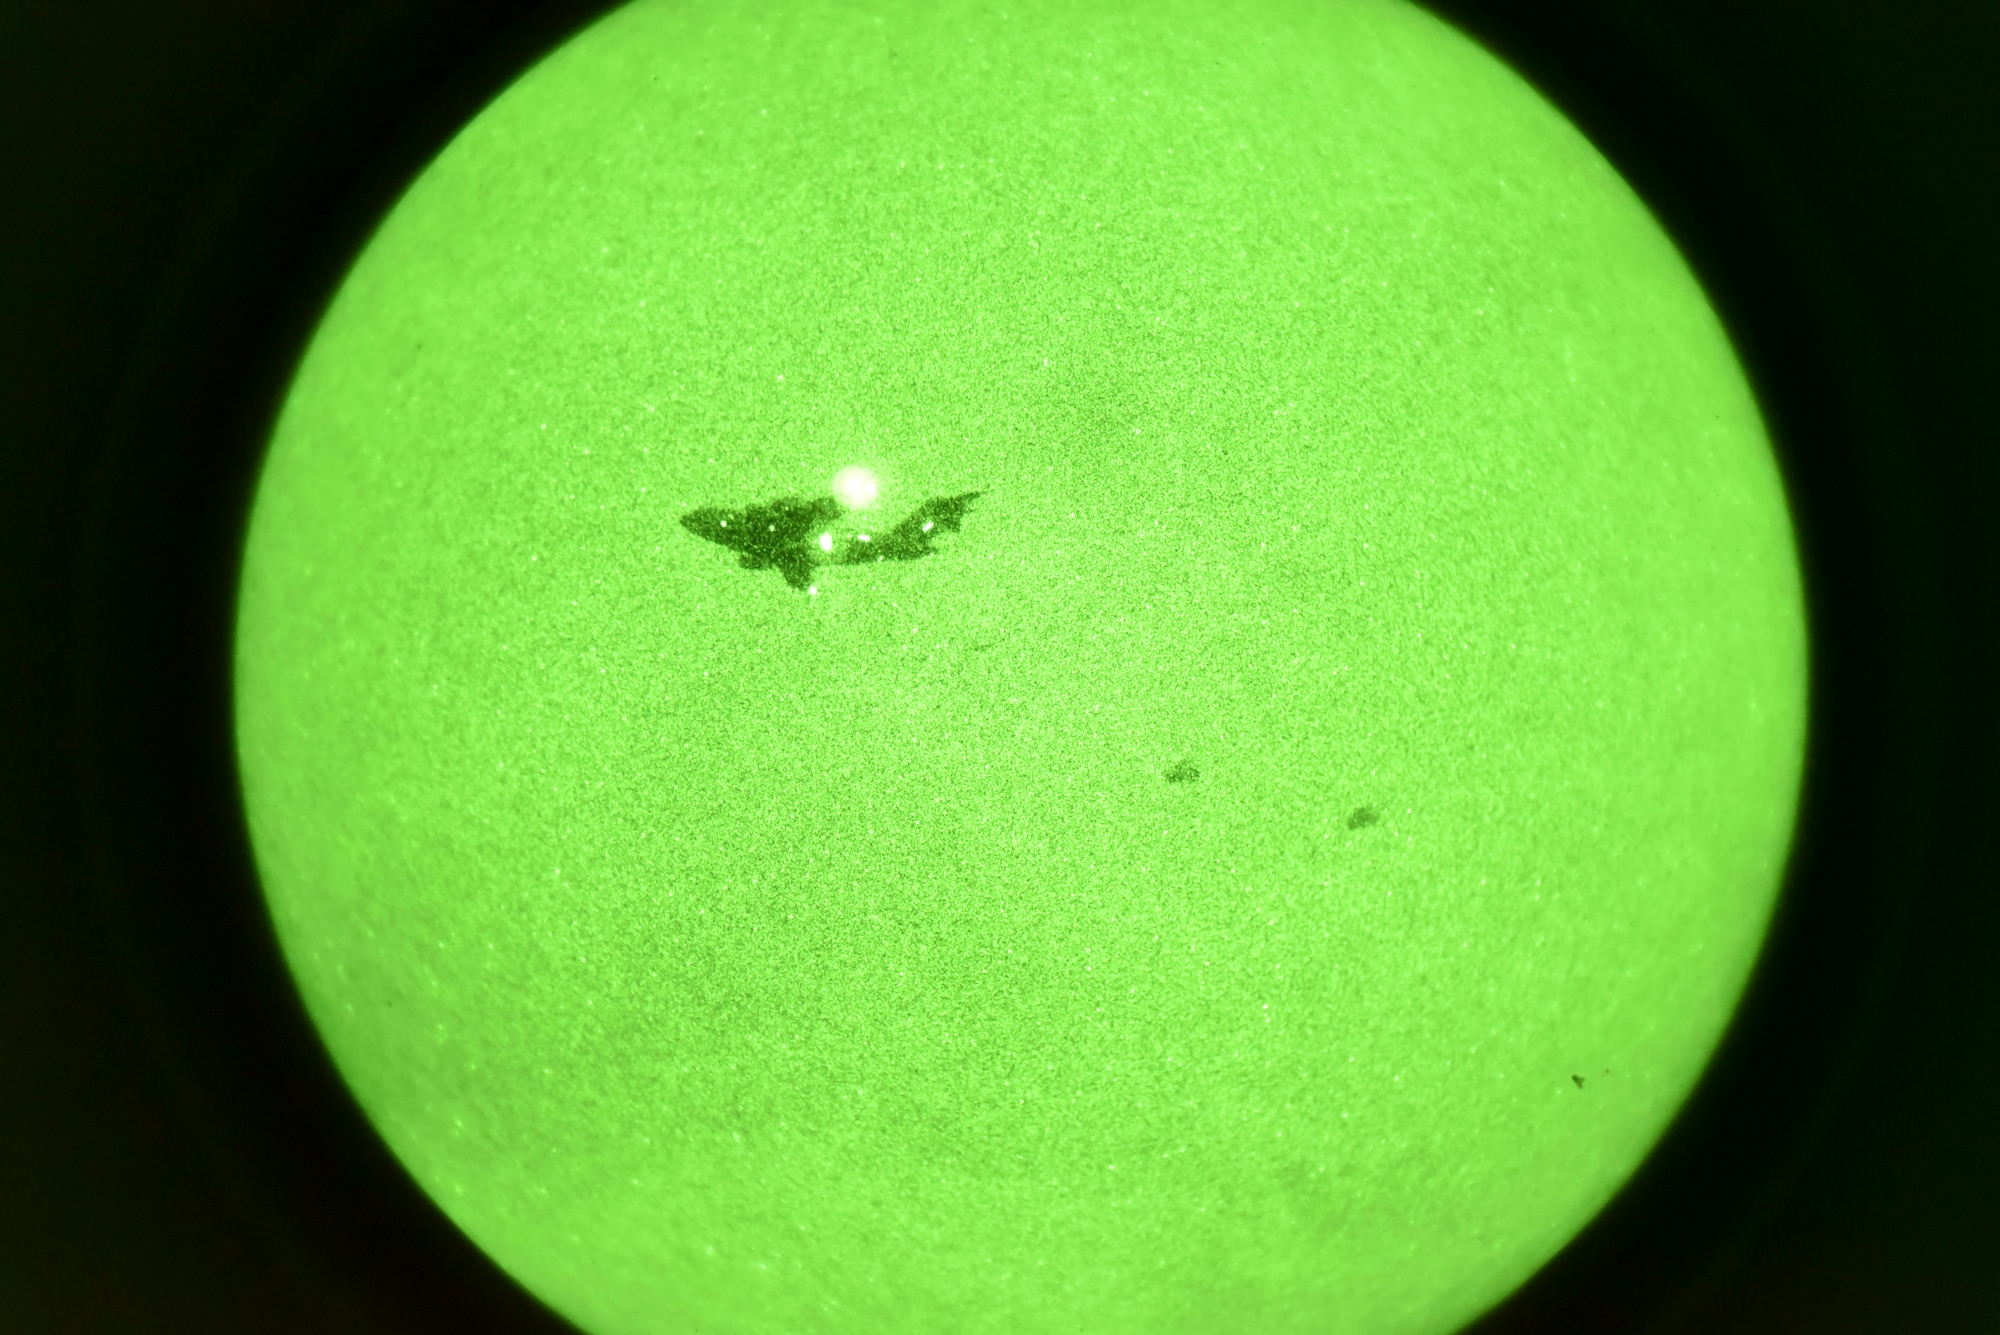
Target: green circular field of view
[(1076, 667)]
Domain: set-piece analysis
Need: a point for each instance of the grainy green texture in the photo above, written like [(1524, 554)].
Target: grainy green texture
[(997, 941)]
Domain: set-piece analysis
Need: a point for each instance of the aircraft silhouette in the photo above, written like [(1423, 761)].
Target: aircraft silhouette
[(786, 534)]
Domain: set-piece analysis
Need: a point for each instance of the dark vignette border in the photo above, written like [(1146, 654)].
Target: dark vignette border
[(331, 1208), (334, 1212), (1698, 158)]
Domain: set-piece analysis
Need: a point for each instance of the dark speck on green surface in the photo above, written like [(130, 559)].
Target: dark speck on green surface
[(1579, 1081), (1362, 816), (1183, 773)]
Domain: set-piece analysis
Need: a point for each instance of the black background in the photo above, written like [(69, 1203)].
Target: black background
[(180, 186)]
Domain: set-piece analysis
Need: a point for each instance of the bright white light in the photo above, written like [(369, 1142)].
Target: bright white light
[(826, 542), (855, 487)]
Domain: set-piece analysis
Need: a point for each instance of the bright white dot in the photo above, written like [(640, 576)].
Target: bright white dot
[(826, 542), (855, 487)]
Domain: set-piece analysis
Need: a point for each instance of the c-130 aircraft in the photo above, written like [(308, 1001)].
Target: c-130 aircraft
[(795, 536)]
